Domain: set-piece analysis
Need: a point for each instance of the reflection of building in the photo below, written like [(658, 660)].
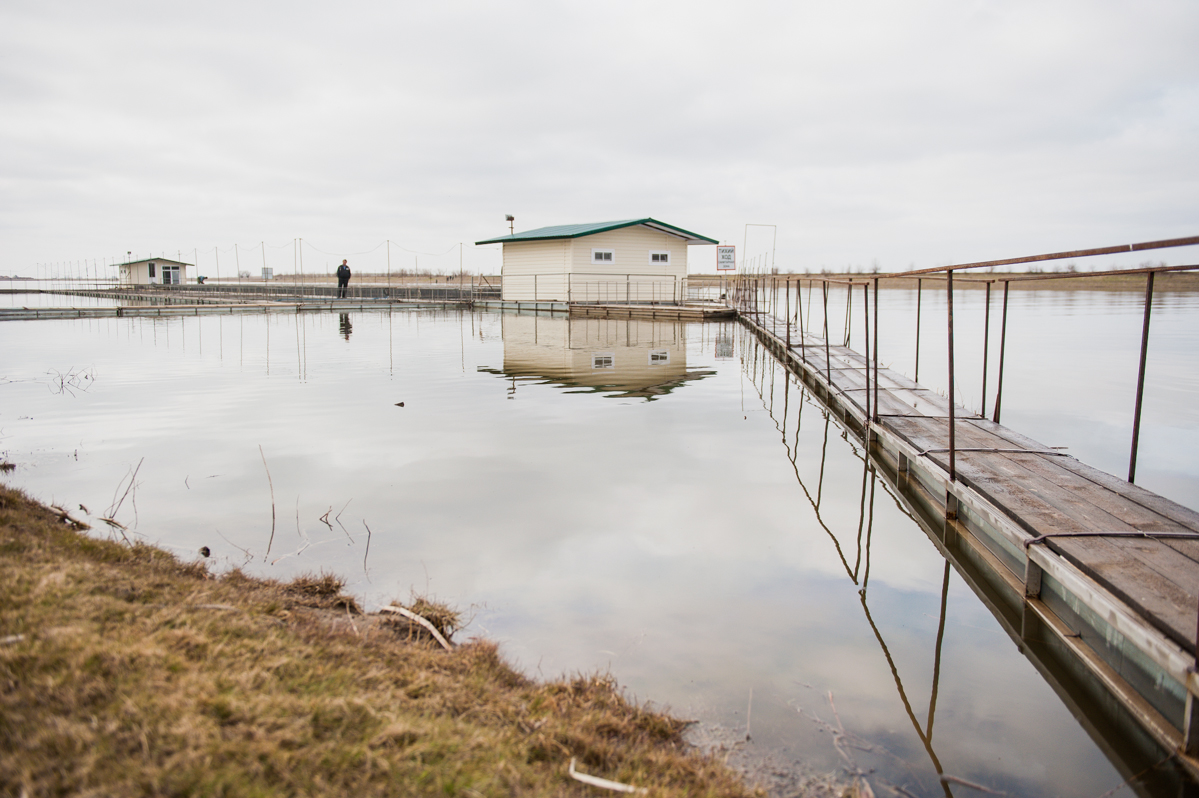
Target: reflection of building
[(635, 260), (154, 271), (631, 357)]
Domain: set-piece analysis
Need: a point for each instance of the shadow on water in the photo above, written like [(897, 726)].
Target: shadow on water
[(1147, 772)]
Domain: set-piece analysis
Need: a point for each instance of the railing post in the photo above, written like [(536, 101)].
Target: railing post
[(866, 329), (875, 404), (828, 360), (1136, 416), (787, 315), (916, 376), (986, 346), (953, 474)]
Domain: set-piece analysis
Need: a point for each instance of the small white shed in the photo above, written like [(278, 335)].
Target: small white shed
[(634, 260), (154, 271)]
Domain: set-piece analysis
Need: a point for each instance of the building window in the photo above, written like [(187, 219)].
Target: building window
[(603, 360), (661, 258), (659, 357), (151, 269), (602, 256)]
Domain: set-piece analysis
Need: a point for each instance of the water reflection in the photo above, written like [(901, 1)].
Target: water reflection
[(730, 538), (618, 357), (1146, 772), (344, 326)]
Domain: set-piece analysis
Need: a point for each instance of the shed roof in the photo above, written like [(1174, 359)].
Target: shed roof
[(155, 260), (580, 230)]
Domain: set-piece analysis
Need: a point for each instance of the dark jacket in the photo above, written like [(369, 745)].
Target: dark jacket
[(343, 273)]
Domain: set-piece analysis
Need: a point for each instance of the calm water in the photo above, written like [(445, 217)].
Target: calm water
[(655, 499)]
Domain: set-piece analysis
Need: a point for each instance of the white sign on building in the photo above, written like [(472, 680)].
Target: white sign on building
[(726, 258)]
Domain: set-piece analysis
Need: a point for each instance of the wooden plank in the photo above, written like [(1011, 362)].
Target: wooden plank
[(1155, 579)]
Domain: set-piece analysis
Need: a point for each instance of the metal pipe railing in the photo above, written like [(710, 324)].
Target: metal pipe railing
[(756, 295)]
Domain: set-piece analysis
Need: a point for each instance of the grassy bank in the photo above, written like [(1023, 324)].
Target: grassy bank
[(125, 671)]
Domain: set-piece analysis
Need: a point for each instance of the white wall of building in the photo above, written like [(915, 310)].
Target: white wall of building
[(565, 269)]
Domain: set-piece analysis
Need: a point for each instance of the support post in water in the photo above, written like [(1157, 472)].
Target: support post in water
[(1136, 416), (953, 474), (1002, 346)]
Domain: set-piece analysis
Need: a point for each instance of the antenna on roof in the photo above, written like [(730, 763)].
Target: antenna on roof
[(509, 218)]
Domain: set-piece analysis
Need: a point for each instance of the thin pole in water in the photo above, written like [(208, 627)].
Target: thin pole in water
[(1136, 417)]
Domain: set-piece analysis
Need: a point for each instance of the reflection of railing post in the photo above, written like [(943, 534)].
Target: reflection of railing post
[(953, 474), (1136, 416)]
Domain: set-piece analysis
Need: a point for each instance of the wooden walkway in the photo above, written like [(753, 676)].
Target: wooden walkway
[(1122, 562)]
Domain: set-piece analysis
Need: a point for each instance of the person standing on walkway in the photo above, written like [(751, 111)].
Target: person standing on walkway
[(343, 279)]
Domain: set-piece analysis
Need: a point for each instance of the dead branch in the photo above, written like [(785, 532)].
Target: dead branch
[(412, 616), (65, 517), (606, 784)]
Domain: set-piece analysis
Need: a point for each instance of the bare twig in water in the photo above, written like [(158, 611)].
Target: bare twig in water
[(337, 518), (423, 621), (115, 507), (595, 781), (270, 482), (749, 711), (324, 519), (189, 487), (117, 525), (246, 552), (368, 550), (947, 779)]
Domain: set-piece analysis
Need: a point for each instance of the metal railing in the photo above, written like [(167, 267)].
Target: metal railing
[(759, 295)]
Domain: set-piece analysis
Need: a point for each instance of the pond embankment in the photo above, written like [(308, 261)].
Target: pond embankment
[(124, 670)]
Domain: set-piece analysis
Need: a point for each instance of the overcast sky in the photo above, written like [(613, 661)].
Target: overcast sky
[(871, 132)]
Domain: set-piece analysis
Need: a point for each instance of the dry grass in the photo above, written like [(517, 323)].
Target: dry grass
[(128, 672)]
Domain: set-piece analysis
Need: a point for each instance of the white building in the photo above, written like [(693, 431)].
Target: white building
[(153, 271), (635, 260)]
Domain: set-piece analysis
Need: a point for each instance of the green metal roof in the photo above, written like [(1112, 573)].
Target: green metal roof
[(580, 230)]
